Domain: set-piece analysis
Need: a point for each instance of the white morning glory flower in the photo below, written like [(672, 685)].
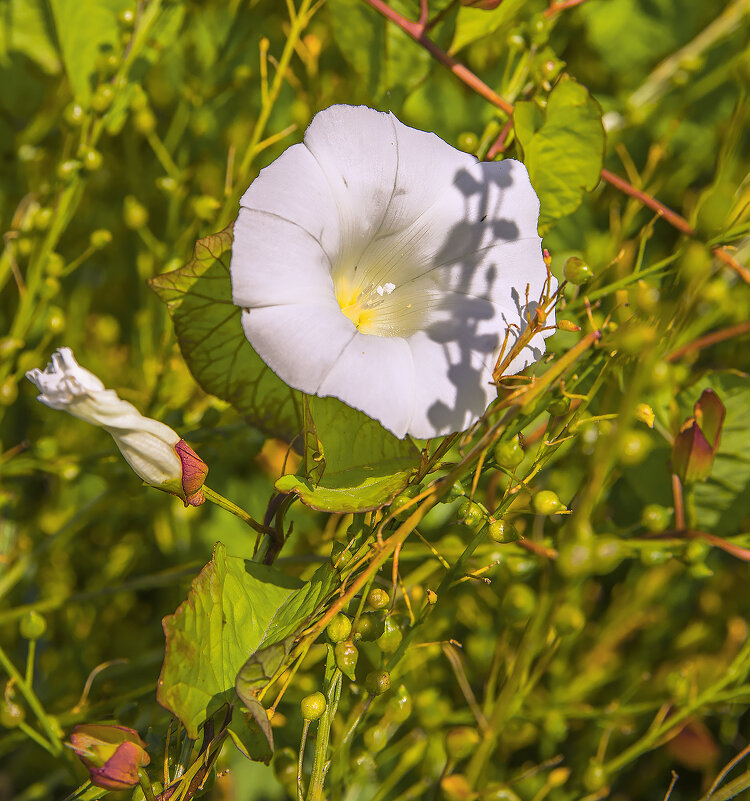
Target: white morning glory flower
[(154, 451), (377, 264)]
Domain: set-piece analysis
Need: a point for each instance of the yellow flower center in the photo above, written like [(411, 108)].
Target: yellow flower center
[(362, 307)]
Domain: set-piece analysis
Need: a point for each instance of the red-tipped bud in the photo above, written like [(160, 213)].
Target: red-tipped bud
[(112, 754), (567, 325), (692, 456), (709, 414), (695, 446), (194, 472)]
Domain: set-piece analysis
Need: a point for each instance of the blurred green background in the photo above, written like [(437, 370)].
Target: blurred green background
[(129, 130)]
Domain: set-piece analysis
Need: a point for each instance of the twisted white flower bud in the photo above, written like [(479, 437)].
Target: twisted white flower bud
[(154, 451)]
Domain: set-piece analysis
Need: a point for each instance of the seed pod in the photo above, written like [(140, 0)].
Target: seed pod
[(313, 706), (33, 626), (378, 682), (378, 598), (346, 656), (369, 627), (546, 502), (339, 628), (577, 271), (508, 453)]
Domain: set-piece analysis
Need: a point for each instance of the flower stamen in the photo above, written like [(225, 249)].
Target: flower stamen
[(360, 309)]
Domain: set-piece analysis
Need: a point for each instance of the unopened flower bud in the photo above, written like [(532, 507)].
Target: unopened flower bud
[(112, 754), (695, 445), (154, 451), (567, 325)]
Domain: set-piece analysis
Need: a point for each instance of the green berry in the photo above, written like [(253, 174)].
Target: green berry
[(339, 628), (634, 447), (74, 115), (42, 218), (608, 553), (90, 158), (539, 29), (468, 142), (594, 778), (498, 792), (67, 170), (126, 18), (134, 213), (100, 238), (404, 498), (546, 502), (569, 619), (313, 706), (346, 656), (378, 682), (376, 738), (378, 598), (399, 705), (460, 742), (503, 531), (471, 514), (509, 453), (656, 518), (285, 767), (519, 602), (55, 265), (576, 559), (369, 627), (55, 320), (390, 639), (11, 714), (8, 391), (577, 271), (102, 98), (559, 406)]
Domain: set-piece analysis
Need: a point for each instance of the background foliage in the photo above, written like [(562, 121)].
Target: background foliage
[(128, 131)]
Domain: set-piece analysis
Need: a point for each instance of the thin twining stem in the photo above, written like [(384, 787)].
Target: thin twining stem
[(417, 32)]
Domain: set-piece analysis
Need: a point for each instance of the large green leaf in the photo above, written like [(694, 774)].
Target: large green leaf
[(354, 464), (85, 28), (564, 157), (234, 609), (209, 330)]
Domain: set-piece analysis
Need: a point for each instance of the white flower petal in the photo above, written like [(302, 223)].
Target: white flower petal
[(282, 262), (382, 266), (452, 387), (295, 188), (357, 151), (299, 342), (375, 375)]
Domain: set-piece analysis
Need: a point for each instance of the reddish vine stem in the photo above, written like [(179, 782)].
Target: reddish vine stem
[(417, 31), (498, 146), (710, 339), (465, 75), (556, 8)]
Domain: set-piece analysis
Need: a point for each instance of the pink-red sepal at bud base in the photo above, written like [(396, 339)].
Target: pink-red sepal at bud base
[(697, 442), (112, 754), (194, 472)]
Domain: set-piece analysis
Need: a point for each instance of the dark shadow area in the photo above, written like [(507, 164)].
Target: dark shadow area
[(481, 228)]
